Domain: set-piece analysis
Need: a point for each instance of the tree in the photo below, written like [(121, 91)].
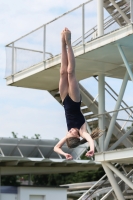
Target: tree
[(37, 136), (14, 134), (25, 137), (9, 180)]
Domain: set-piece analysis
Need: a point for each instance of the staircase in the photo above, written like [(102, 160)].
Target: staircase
[(119, 8)]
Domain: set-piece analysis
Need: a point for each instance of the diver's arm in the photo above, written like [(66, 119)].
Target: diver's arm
[(58, 149)]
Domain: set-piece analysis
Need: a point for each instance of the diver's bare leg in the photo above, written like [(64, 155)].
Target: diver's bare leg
[(74, 91), (63, 83)]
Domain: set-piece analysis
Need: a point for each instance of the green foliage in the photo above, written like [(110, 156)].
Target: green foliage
[(14, 134), (36, 136), (9, 181), (128, 127), (25, 137), (67, 178)]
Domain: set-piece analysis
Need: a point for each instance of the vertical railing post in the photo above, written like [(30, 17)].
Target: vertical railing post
[(83, 23), (13, 59), (44, 42), (131, 7)]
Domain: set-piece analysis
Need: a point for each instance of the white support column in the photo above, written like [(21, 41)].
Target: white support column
[(101, 108), (101, 86), (100, 17), (125, 62), (118, 173), (113, 182), (118, 103), (44, 42), (83, 24), (131, 7)]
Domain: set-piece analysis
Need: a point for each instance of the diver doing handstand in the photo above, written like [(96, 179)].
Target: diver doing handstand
[(71, 99)]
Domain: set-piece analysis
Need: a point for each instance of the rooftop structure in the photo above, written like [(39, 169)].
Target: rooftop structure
[(22, 156)]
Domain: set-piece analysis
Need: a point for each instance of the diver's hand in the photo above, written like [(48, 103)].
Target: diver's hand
[(89, 153), (68, 156)]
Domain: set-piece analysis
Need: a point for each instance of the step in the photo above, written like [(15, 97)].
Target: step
[(85, 110)]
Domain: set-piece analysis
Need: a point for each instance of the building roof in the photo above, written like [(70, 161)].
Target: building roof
[(20, 156)]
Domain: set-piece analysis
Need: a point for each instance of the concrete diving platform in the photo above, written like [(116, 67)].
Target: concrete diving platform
[(122, 156), (100, 55)]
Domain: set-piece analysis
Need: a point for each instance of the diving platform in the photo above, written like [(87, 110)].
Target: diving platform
[(99, 56), (121, 156)]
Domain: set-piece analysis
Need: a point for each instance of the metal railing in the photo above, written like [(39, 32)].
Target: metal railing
[(110, 20), (13, 54), (20, 58)]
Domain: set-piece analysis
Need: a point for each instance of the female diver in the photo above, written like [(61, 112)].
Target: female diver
[(71, 98)]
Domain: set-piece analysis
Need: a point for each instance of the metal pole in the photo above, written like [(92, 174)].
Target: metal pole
[(118, 103), (101, 109), (121, 139), (131, 7), (29, 179), (13, 59), (113, 182), (106, 195), (118, 173), (125, 62), (100, 27), (44, 42), (100, 17), (87, 192), (83, 23)]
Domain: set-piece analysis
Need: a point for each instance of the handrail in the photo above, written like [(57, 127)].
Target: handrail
[(31, 50), (98, 115), (109, 23), (50, 22)]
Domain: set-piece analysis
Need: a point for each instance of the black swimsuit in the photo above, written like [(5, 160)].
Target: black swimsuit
[(74, 117)]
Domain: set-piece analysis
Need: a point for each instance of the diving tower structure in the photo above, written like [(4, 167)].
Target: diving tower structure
[(104, 50)]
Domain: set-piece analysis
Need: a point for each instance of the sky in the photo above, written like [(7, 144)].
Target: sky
[(29, 111)]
